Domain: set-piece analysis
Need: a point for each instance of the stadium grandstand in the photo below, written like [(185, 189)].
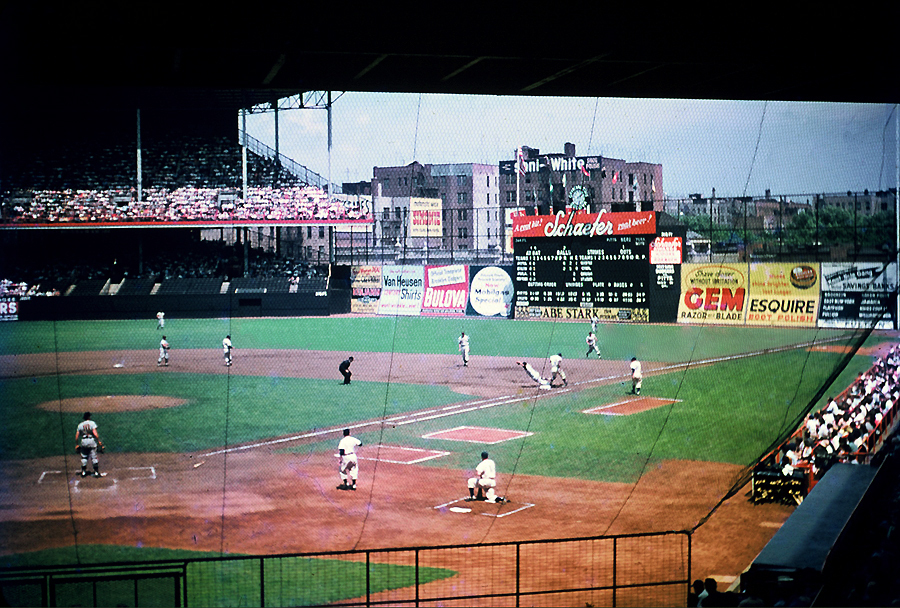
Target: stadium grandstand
[(84, 214)]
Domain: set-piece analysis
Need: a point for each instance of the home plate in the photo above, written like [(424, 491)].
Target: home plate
[(460, 510), (118, 365)]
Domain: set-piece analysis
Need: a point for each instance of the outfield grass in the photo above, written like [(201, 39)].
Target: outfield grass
[(726, 412), (719, 416), (428, 335)]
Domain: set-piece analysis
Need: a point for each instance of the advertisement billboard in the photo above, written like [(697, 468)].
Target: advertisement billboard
[(585, 225), (425, 217), (713, 293), (365, 285), (858, 295), (402, 288), (783, 294), (491, 292), (446, 290)]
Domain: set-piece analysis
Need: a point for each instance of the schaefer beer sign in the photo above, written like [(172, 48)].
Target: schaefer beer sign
[(580, 224)]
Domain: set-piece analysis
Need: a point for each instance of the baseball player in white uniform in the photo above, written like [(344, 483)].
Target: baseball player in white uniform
[(349, 467), (227, 348), (485, 481), (160, 320), (88, 444), (533, 373), (592, 345), (636, 376), (464, 348), (163, 352), (594, 321), (556, 369)]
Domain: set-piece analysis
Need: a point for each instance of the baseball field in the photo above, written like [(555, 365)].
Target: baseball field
[(204, 459)]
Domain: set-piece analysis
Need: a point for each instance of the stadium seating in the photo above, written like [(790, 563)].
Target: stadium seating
[(135, 287), (90, 287)]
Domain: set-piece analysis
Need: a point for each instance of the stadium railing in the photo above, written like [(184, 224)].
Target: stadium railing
[(649, 569)]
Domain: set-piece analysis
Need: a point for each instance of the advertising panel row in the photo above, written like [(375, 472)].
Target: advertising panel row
[(839, 295), (9, 308), (454, 290)]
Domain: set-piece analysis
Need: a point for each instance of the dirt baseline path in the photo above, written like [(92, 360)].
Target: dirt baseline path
[(261, 501)]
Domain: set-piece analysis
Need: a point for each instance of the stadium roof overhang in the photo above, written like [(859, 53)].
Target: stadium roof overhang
[(147, 54)]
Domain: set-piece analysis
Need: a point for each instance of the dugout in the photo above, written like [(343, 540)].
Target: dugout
[(798, 559)]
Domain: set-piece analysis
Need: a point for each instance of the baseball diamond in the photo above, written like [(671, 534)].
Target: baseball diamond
[(214, 458)]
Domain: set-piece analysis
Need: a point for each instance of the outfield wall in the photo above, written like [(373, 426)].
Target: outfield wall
[(827, 295), (182, 306), (778, 294)]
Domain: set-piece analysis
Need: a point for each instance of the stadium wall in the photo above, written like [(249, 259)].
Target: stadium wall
[(184, 306), (836, 295)]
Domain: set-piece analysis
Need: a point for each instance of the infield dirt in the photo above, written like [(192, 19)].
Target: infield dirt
[(262, 501)]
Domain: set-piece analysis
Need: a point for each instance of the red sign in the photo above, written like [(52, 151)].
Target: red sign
[(665, 250), (446, 290), (588, 225)]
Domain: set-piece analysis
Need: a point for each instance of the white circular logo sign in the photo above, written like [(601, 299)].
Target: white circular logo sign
[(492, 292)]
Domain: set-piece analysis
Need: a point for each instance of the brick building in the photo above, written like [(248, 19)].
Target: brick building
[(609, 183), (470, 204)]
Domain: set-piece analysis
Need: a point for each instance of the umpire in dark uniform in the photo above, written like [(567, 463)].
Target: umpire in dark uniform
[(344, 368)]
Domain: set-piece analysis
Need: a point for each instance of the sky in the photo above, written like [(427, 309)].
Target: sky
[(737, 147)]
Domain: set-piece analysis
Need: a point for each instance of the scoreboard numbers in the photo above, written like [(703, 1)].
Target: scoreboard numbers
[(578, 277)]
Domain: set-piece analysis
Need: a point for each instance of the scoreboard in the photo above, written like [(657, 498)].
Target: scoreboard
[(578, 278), (577, 265)]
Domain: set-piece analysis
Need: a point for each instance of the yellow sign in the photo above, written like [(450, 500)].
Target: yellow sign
[(784, 294), (425, 217), (713, 293), (638, 315)]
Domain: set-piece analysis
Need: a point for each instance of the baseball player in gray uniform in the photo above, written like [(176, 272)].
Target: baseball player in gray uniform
[(88, 444), (160, 320)]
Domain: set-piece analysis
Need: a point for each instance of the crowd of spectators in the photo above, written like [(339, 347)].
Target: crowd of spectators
[(22, 289), (850, 426), (55, 207), (863, 565), (186, 178), (168, 161)]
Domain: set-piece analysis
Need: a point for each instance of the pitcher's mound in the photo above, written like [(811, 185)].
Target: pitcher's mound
[(111, 403)]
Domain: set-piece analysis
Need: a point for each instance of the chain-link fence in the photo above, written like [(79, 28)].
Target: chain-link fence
[(650, 569)]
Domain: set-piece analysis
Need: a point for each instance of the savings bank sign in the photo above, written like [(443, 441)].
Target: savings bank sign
[(578, 223)]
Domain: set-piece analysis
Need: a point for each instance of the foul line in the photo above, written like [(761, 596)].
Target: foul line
[(516, 435), (432, 454), (471, 406)]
